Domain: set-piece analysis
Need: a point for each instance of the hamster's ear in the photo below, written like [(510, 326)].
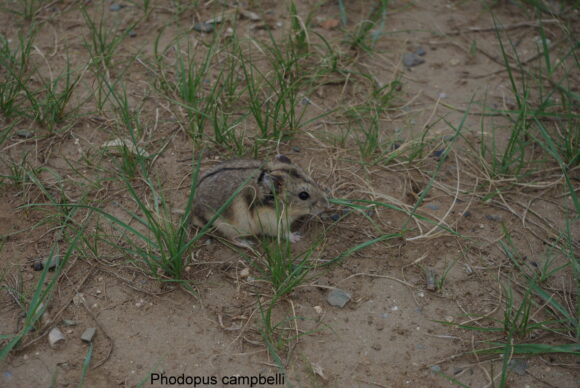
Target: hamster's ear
[(270, 181), (283, 159)]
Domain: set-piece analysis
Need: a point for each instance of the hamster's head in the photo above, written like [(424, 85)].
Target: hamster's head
[(302, 195)]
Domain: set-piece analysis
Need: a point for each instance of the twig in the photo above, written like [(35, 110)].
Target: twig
[(504, 28), (378, 276)]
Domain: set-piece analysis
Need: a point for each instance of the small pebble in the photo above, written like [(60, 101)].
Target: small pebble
[(88, 334), (338, 298), (68, 322), (466, 213), (306, 101), (116, 7), (432, 206), (203, 27), (436, 368), (438, 153), (296, 149), (52, 262), (318, 309), (519, 366), (132, 33), (55, 336), (395, 146), (493, 217), (412, 60), (25, 133), (420, 52), (335, 217), (37, 266)]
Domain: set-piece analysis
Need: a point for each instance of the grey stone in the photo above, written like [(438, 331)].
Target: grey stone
[(203, 27), (420, 51), (116, 7), (412, 60), (55, 336), (25, 133), (518, 365), (51, 262), (338, 298), (88, 334)]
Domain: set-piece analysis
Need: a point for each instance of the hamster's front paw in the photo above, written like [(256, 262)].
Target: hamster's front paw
[(294, 237)]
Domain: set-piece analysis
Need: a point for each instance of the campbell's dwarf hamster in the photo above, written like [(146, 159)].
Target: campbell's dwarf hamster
[(253, 211)]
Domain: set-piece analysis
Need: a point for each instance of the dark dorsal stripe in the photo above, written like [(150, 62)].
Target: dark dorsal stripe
[(224, 169)]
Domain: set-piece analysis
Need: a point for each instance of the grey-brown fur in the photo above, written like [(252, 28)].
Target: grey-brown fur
[(253, 211)]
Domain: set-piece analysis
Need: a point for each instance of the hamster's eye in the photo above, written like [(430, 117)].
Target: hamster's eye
[(303, 195)]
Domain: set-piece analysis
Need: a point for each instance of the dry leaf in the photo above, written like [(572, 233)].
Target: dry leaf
[(116, 147), (249, 15), (317, 369)]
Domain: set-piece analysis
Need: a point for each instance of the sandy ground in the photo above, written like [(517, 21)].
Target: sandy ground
[(390, 334)]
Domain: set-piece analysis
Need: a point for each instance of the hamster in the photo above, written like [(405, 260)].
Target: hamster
[(253, 211)]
